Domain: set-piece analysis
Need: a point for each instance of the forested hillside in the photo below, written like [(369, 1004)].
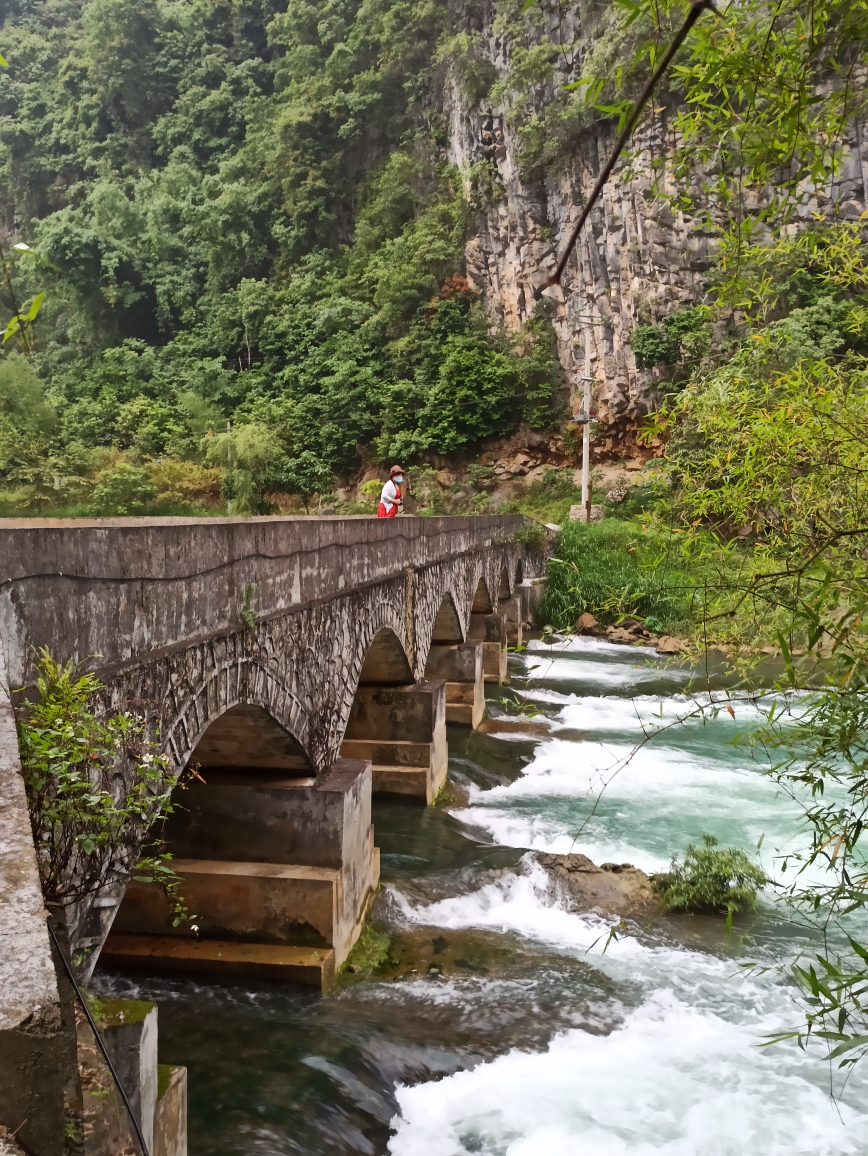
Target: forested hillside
[(243, 212)]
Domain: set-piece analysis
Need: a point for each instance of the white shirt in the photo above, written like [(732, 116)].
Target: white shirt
[(389, 496)]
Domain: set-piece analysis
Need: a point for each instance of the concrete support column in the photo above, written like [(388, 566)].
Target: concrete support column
[(490, 630), (402, 730), (511, 611), (280, 872), (157, 1092), (530, 591), (460, 664)]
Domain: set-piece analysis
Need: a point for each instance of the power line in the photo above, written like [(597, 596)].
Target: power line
[(696, 10)]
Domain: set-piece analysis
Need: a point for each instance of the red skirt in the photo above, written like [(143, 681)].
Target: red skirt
[(384, 513)]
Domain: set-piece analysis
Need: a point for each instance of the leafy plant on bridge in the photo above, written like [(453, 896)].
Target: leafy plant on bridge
[(95, 787)]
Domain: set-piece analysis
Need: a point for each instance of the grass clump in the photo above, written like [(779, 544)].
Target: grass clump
[(371, 951), (711, 879), (613, 570)]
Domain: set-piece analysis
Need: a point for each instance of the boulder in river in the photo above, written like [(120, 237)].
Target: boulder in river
[(616, 888)]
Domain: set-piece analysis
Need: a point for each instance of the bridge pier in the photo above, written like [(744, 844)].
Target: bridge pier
[(460, 665), (512, 612), (490, 630), (402, 730), (280, 872)]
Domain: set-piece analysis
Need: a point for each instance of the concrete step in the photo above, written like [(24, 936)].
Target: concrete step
[(391, 752), (465, 703), (493, 662), (403, 768), (422, 783), (274, 902), (314, 967)]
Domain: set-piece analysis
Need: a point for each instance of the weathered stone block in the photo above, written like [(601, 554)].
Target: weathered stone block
[(530, 592), (411, 713), (269, 859), (314, 966), (390, 718), (170, 1121), (487, 628), (260, 816), (129, 1031), (510, 610), (461, 666)]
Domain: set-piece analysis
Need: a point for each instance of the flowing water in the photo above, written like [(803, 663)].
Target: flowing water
[(499, 1024)]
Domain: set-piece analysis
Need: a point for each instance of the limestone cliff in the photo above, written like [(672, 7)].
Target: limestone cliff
[(636, 260)]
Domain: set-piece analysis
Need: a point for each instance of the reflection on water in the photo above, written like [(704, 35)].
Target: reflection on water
[(498, 1026)]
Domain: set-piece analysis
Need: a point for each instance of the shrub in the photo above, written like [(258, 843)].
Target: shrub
[(711, 878), (307, 475), (684, 333), (122, 490), (184, 483), (94, 786)]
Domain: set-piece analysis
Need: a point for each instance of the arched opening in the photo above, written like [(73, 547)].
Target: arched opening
[(503, 588), (247, 738), (459, 663), (398, 724), (481, 603), (447, 624), (385, 663), (271, 858)]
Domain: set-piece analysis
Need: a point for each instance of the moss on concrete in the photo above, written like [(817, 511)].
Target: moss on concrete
[(112, 1013), (164, 1078), (370, 952)]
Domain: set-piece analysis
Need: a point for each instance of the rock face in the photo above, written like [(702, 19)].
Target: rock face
[(636, 261), (616, 888)]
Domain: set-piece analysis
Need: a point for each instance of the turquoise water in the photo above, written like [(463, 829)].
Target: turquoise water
[(529, 1039)]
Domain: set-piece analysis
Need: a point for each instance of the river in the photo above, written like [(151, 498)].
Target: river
[(500, 1026)]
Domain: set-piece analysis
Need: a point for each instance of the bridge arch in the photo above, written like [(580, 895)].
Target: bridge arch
[(246, 736), (503, 590), (447, 623), (385, 661), (481, 603)]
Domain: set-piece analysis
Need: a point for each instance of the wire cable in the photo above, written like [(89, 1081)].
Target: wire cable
[(99, 1040), (696, 10)]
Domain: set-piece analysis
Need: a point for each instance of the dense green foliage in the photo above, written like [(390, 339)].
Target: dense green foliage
[(711, 878), (94, 786), (243, 212), (614, 569)]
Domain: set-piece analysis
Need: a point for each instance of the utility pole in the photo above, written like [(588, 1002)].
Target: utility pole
[(583, 418), (229, 465)]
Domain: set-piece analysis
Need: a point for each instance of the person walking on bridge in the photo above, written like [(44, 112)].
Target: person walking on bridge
[(391, 501)]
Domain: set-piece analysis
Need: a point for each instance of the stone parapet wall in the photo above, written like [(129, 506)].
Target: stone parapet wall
[(117, 588), (31, 1069)]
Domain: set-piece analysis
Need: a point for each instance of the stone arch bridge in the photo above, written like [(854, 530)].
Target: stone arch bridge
[(299, 664)]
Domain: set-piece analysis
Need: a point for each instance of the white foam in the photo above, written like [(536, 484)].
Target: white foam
[(581, 644), (682, 1075), (672, 1081)]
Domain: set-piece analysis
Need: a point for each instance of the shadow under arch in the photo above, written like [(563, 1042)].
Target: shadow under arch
[(246, 736), (398, 724), (503, 590), (386, 662), (481, 603), (447, 624)]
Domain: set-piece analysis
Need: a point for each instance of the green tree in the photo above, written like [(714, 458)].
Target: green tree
[(123, 490), (307, 475)]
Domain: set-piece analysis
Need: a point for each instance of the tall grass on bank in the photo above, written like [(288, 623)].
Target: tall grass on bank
[(614, 570)]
